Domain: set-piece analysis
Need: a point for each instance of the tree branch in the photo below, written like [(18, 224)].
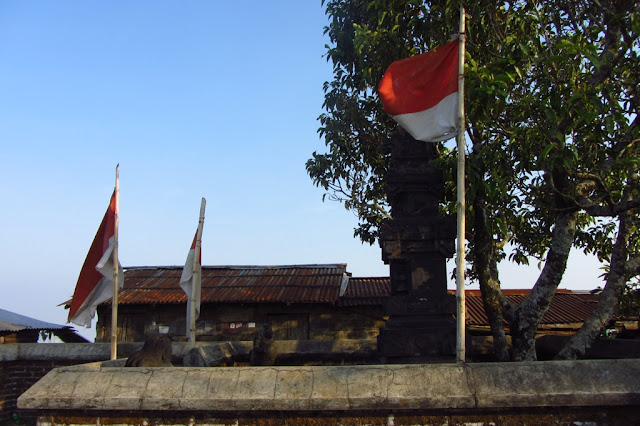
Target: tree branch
[(580, 342), (633, 267), (612, 210)]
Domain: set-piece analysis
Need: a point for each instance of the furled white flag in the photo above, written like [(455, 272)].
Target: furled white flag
[(95, 283), (191, 283), (421, 93)]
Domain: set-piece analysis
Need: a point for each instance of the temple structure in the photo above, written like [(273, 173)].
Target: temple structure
[(416, 244)]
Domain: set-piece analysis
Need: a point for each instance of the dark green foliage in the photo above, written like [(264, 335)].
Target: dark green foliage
[(551, 92)]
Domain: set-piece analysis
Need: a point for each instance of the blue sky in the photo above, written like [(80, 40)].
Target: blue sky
[(193, 99)]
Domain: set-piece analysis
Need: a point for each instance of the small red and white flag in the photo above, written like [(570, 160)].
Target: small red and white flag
[(190, 283), (95, 283), (421, 93)]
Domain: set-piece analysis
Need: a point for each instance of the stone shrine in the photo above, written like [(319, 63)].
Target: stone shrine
[(416, 244)]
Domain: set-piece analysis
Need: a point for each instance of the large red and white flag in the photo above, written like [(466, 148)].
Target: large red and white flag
[(190, 283), (421, 93), (95, 283)]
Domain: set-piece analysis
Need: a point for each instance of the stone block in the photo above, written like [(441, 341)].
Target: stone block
[(330, 388), (556, 383)]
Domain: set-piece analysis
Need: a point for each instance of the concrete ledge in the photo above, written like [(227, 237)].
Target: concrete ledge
[(85, 352), (74, 352), (365, 388)]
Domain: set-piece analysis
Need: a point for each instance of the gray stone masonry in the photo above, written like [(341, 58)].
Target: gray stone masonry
[(416, 244), (284, 352), (86, 352), (364, 388)]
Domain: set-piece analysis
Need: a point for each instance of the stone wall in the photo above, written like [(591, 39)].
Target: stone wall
[(23, 364), (237, 322), (607, 390), (552, 392), (539, 417), (18, 376)]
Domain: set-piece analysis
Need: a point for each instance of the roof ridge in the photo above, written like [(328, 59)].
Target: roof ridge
[(306, 266)]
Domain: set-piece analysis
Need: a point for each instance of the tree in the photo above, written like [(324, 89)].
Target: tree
[(551, 93)]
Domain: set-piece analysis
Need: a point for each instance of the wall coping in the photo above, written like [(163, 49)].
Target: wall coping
[(372, 388), (81, 352), (74, 352)]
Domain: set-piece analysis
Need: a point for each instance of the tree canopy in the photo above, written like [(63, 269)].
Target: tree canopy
[(551, 98)]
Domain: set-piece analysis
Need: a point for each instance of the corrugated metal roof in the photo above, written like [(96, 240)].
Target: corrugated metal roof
[(10, 321), (365, 292), (237, 284), (566, 307), (314, 284)]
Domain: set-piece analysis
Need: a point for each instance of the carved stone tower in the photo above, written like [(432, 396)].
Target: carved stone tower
[(416, 244)]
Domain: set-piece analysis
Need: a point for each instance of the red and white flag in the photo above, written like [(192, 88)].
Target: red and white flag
[(190, 283), (95, 283), (421, 93)]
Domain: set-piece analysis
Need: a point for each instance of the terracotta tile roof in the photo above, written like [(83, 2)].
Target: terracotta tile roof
[(237, 284)]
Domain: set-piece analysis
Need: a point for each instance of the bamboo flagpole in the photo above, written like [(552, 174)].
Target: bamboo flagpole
[(116, 272), (194, 299), (460, 255)]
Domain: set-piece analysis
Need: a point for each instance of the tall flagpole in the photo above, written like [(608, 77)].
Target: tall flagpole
[(114, 299), (197, 277), (460, 256)]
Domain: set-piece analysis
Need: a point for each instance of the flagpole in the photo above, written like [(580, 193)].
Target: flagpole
[(114, 299), (460, 256), (197, 279)]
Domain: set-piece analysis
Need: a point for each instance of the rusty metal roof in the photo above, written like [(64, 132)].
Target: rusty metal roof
[(365, 292), (567, 307), (315, 284), (237, 284)]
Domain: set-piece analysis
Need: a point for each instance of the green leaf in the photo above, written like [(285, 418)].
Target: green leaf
[(501, 226), (547, 149)]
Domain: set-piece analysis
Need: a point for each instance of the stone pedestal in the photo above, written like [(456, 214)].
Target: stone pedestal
[(416, 244)]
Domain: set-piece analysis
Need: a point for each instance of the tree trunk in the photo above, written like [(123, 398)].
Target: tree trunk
[(485, 261), (580, 342), (528, 314), (487, 271)]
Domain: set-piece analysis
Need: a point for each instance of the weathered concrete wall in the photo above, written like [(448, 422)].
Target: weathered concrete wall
[(79, 353), (22, 365), (286, 352), (365, 390), (591, 416), (15, 378), (289, 322)]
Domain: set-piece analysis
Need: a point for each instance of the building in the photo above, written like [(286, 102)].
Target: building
[(16, 328), (300, 302)]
